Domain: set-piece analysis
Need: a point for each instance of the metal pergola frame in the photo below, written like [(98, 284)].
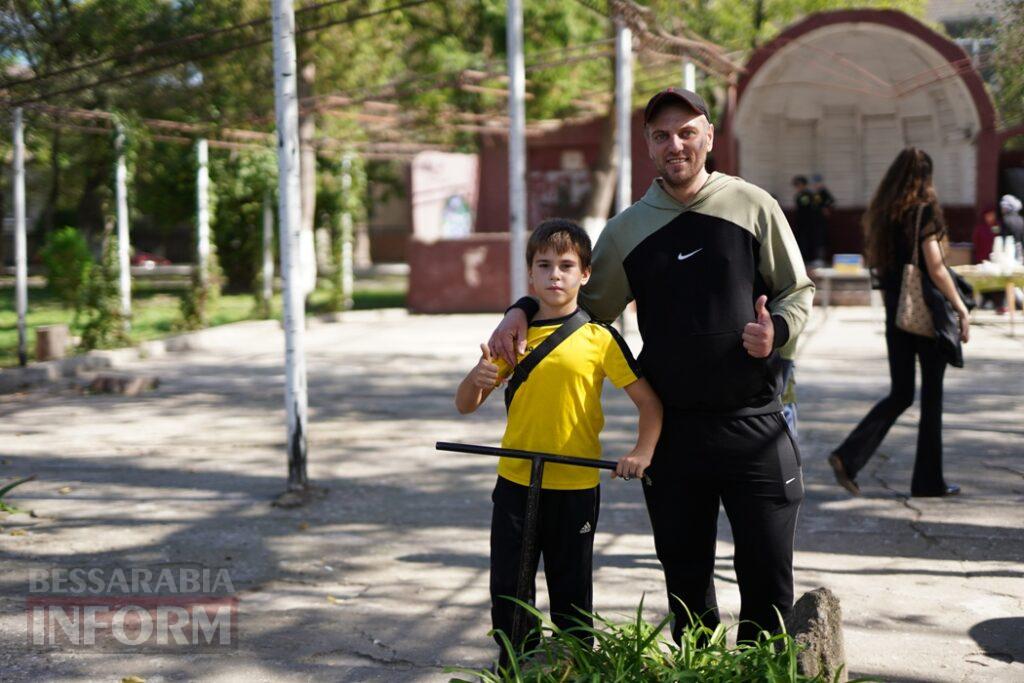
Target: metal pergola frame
[(378, 110)]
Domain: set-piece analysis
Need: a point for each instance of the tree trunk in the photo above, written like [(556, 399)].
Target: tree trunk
[(759, 18), (606, 171), (54, 194), (603, 176), (3, 212), (89, 212), (361, 257), (307, 168)]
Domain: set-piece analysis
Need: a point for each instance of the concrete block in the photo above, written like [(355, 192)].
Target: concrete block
[(153, 349), (52, 342), (126, 385), (91, 361), (12, 380), (113, 357)]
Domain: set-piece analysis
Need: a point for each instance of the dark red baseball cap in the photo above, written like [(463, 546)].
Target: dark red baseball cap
[(675, 95)]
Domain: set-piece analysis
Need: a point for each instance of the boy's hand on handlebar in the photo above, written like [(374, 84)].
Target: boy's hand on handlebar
[(633, 465)]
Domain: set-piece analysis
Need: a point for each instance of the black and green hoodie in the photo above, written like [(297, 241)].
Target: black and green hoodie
[(695, 271)]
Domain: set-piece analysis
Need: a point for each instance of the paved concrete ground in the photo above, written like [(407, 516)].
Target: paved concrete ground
[(386, 578)]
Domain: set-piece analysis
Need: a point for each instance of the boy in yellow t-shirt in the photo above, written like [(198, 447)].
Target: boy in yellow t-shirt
[(558, 410)]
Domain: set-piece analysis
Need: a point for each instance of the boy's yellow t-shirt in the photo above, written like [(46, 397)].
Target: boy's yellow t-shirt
[(558, 408)]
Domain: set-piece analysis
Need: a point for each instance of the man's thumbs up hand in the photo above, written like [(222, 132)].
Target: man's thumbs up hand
[(761, 310), (759, 335)]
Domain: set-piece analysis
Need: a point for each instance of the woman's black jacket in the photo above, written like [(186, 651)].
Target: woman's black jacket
[(947, 324)]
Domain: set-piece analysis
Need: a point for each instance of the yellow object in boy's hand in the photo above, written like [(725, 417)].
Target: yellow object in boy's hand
[(485, 374)]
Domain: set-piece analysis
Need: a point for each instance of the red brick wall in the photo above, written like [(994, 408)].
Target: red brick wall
[(468, 275)]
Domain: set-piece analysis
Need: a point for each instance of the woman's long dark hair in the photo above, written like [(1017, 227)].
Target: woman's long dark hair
[(888, 221)]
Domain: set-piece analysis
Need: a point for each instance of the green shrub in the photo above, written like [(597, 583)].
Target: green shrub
[(98, 310), (199, 300), (68, 262), (637, 652), (341, 202), (238, 184)]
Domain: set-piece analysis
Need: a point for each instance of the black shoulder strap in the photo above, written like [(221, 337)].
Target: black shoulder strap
[(526, 366)]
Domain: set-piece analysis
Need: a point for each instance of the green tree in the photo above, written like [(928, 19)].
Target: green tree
[(1009, 65), (44, 37), (417, 57), (240, 181), (103, 325), (68, 261), (460, 35), (742, 25), (343, 202)]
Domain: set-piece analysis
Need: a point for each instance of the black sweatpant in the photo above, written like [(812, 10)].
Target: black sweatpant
[(751, 466), (565, 539), (904, 350)]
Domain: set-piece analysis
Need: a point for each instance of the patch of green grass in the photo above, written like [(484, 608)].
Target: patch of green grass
[(638, 652), (44, 309), (362, 299), (155, 312), (7, 488)]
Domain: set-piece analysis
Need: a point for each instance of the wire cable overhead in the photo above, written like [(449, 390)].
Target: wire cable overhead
[(116, 78)]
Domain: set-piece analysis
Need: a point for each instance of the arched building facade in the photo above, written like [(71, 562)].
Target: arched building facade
[(840, 93)]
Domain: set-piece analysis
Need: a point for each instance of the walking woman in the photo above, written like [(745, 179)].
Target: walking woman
[(904, 210)]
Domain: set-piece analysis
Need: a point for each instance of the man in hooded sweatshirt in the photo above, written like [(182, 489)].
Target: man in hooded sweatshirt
[(720, 286)]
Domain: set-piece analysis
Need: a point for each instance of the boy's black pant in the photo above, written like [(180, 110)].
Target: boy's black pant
[(565, 538), (751, 466)]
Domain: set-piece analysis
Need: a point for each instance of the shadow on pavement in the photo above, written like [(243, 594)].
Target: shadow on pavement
[(1001, 639)]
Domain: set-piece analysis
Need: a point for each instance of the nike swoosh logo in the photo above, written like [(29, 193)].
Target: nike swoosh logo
[(790, 481), (684, 257)]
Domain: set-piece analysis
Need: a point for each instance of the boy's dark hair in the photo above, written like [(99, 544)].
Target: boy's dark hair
[(799, 180), (562, 236)]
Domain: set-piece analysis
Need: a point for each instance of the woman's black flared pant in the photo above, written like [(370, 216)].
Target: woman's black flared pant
[(751, 467), (864, 440)]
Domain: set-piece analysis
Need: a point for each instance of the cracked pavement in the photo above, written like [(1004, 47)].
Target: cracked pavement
[(385, 579)]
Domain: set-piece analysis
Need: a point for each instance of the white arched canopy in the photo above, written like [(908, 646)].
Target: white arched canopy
[(842, 100)]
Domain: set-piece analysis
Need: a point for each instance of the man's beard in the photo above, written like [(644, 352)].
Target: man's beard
[(681, 181), (700, 158)]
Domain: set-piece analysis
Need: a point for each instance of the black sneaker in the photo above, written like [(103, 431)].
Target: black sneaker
[(949, 490)]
